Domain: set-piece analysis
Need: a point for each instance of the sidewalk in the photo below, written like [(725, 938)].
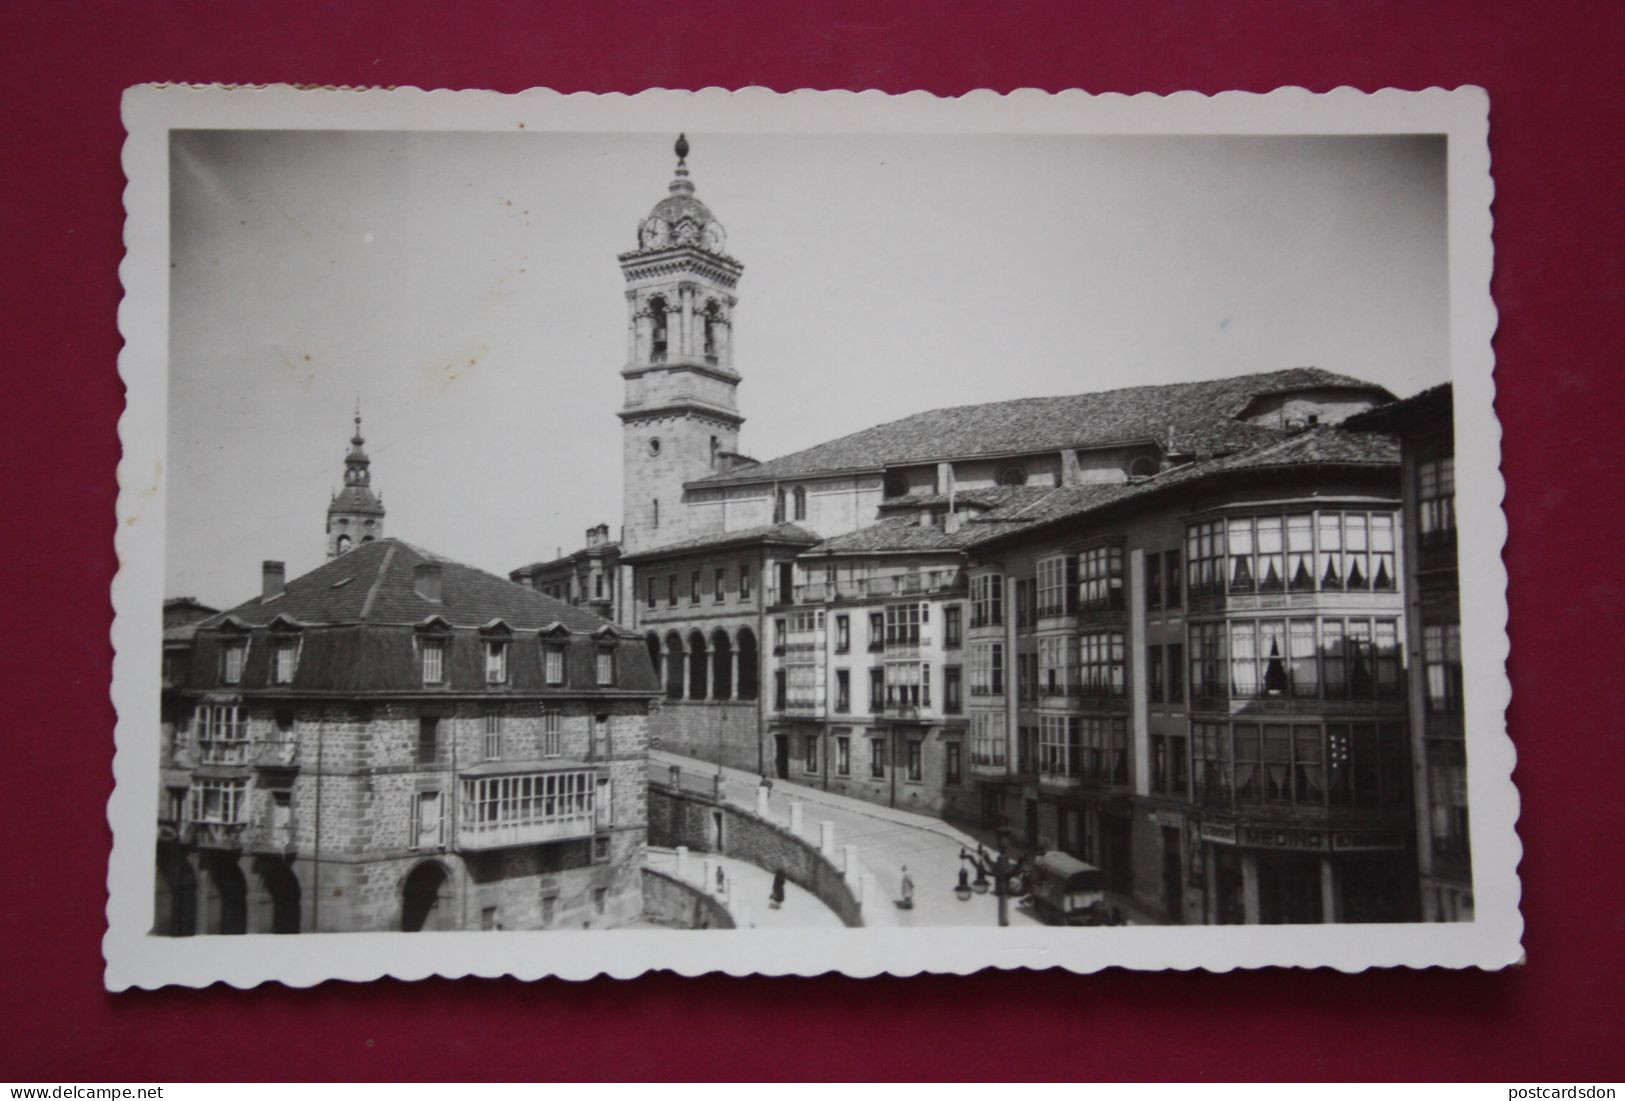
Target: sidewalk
[(887, 839), (746, 890)]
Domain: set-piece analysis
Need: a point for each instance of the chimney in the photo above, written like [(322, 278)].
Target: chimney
[(426, 580), (272, 574)]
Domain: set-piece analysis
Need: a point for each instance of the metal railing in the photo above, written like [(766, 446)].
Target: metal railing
[(708, 784), (223, 751), (929, 583)]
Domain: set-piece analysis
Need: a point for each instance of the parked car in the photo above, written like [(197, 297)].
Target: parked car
[(1066, 891)]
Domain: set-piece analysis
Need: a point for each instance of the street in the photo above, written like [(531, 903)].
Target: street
[(887, 840)]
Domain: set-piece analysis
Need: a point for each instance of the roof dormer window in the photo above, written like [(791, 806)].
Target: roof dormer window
[(496, 662), (233, 654), (433, 652)]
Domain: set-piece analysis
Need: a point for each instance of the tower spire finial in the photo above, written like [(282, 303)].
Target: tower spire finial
[(681, 149)]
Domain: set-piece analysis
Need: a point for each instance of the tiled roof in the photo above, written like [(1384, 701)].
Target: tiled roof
[(1200, 416), (889, 535), (768, 533), (1432, 406), (1326, 445), (988, 497), (374, 584)]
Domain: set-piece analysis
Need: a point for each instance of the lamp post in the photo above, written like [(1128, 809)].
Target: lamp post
[(997, 872)]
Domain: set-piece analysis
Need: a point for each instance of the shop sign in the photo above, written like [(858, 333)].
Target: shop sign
[(1284, 837), (1366, 840), (1220, 833)]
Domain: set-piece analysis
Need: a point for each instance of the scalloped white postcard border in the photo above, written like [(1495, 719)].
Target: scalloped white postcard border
[(136, 958)]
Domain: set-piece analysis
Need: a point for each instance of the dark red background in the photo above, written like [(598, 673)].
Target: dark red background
[(1558, 150)]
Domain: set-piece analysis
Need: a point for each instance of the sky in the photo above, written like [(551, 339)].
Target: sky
[(464, 287)]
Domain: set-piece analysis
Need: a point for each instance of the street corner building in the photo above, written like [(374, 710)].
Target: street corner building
[(1160, 628), (397, 742)]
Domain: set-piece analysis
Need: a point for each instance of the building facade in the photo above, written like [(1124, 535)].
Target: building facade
[(588, 577), (867, 667), (1425, 425), (1199, 687), (701, 606), (395, 741)]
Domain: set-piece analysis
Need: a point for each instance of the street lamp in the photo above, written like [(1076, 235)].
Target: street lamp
[(1001, 870)]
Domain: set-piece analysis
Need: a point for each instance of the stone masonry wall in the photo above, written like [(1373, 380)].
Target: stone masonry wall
[(684, 819), (671, 902), (696, 729)]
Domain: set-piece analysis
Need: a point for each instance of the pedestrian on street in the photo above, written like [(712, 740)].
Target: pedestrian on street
[(908, 889), (776, 898)]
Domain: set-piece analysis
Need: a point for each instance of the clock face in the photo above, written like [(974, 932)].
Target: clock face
[(715, 239), (656, 233)]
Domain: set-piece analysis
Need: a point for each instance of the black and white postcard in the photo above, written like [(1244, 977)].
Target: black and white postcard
[(758, 533)]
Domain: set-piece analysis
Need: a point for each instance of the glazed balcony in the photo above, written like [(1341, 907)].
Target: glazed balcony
[(896, 707), (226, 836), (1219, 598), (925, 583), (984, 764), (479, 837)]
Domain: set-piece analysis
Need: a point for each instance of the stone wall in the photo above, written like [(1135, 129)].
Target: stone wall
[(696, 729), (667, 900), (685, 819)]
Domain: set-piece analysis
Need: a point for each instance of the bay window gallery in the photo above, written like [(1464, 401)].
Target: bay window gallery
[(1302, 764), (1332, 657), (1302, 552), (1093, 748)]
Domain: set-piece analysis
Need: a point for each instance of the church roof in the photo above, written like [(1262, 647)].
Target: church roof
[(356, 499), (1017, 511), (1326, 445), (1187, 417), (792, 534), (375, 584)]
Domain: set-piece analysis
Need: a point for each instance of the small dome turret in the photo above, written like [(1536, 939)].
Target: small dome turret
[(680, 220)]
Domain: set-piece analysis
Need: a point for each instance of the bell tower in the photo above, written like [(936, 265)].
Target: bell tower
[(681, 412), (355, 515)]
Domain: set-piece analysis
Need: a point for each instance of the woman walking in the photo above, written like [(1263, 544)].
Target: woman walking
[(776, 898)]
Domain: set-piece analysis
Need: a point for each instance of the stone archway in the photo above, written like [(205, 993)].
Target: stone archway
[(280, 896), (696, 666), (225, 898), (674, 666), (175, 908), (426, 899), (749, 665), (652, 640), (722, 665)]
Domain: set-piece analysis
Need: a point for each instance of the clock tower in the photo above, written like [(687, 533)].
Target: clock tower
[(681, 414)]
